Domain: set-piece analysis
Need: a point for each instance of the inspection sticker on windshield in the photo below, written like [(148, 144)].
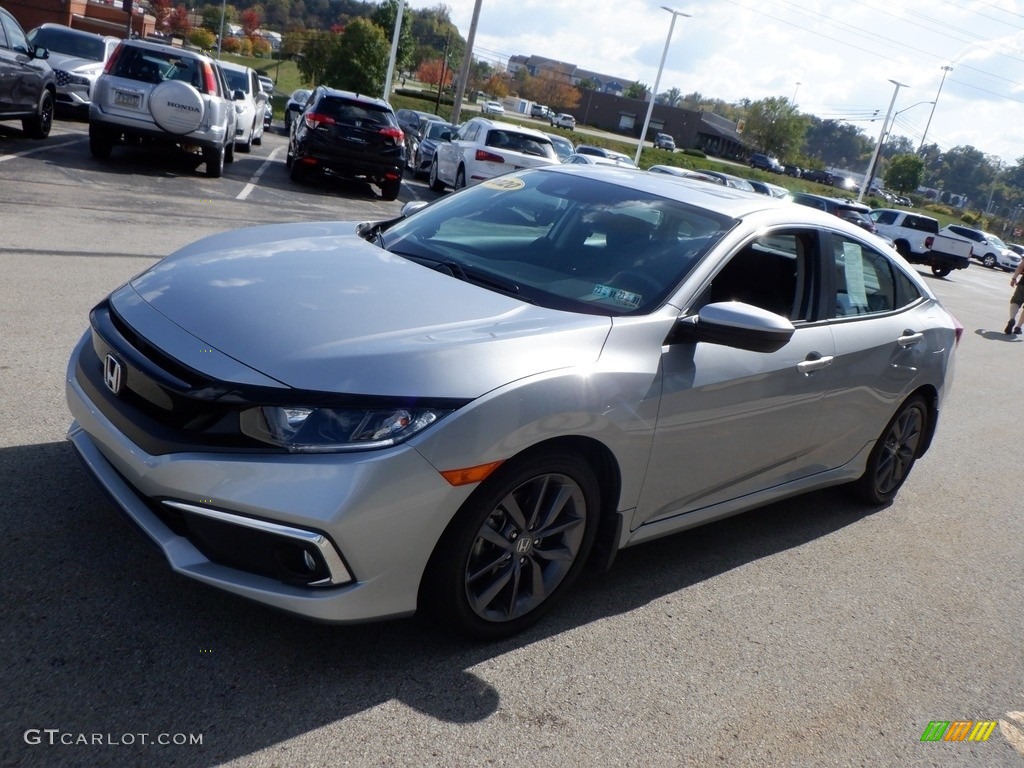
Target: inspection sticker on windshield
[(506, 184), (617, 294)]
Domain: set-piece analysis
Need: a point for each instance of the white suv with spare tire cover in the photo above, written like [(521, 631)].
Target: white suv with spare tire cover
[(157, 93)]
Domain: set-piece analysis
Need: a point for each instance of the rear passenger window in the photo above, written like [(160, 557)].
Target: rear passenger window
[(885, 217), (865, 279)]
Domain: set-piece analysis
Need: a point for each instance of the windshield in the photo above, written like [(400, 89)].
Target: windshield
[(69, 43), (527, 144), (435, 129), (237, 81), (565, 241)]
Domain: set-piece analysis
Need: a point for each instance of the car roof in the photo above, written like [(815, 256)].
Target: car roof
[(509, 127), (353, 96), (170, 49), (235, 67), (78, 32)]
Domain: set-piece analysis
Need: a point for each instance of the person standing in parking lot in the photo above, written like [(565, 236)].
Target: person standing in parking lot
[(1016, 301)]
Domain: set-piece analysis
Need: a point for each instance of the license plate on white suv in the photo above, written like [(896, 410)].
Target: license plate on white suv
[(127, 99)]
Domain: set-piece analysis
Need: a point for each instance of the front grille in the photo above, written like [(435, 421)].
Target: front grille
[(62, 77)]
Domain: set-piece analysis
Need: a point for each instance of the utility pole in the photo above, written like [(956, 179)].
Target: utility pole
[(467, 62)]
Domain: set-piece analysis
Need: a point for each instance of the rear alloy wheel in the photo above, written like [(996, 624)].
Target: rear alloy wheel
[(214, 159), (515, 546), (460, 179), (435, 183), (38, 126), (989, 261), (894, 454)]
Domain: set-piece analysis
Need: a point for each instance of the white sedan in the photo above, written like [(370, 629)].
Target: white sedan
[(492, 108), (485, 148)]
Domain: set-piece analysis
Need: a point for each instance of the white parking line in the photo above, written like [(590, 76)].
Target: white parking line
[(43, 148), (256, 176)]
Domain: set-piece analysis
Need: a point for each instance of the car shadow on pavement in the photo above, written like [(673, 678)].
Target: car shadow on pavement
[(101, 637)]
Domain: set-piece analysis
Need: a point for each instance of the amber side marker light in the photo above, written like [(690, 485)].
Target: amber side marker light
[(470, 474)]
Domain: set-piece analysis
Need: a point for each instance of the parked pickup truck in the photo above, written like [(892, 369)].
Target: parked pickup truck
[(919, 241), (945, 254)]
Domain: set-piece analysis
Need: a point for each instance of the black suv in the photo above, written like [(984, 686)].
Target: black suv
[(851, 211), (353, 136), (28, 87), (765, 163)]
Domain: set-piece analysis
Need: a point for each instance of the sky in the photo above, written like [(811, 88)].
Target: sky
[(834, 58)]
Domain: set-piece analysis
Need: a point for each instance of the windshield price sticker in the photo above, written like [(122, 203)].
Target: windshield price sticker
[(504, 183)]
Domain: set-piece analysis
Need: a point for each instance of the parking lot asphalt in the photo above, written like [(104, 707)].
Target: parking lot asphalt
[(813, 632)]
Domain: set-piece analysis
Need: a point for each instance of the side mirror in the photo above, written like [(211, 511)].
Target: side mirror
[(39, 52), (446, 136), (238, 95), (412, 206), (734, 324)]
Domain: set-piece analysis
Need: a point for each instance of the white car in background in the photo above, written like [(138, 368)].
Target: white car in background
[(492, 108), (76, 57), (485, 148), (250, 103)]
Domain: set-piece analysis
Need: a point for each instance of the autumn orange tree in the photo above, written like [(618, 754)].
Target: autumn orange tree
[(430, 72)]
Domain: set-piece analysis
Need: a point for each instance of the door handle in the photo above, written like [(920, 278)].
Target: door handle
[(814, 362), (909, 338)]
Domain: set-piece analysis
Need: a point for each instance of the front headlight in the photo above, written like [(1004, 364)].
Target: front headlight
[(330, 430), (79, 80)]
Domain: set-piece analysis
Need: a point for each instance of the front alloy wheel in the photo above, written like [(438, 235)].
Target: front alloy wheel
[(515, 546)]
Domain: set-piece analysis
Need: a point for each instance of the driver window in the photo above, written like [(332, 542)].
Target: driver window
[(771, 272)]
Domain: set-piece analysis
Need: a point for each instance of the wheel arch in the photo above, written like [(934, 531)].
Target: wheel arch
[(931, 398)]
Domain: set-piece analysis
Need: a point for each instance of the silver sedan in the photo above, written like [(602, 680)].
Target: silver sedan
[(455, 410)]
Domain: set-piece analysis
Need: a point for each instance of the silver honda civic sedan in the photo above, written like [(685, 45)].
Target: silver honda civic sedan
[(454, 410)]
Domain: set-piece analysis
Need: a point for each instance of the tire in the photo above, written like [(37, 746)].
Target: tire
[(460, 179), (245, 146), (229, 152), (257, 140), (435, 183), (941, 271), (903, 248), (894, 454), (485, 578), (100, 143), (296, 172), (214, 159), (989, 261), (389, 189), (38, 126)]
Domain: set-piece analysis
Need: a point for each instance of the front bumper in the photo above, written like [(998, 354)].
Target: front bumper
[(378, 514)]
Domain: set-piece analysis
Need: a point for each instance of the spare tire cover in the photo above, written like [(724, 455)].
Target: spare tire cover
[(177, 107)]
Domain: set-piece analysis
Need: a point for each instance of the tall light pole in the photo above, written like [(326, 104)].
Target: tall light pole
[(870, 173), (394, 49), (657, 80), (793, 102), (945, 71)]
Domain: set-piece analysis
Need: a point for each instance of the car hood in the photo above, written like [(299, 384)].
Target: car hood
[(316, 307), (74, 64)]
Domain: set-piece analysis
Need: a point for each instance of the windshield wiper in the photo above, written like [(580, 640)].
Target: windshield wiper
[(485, 279)]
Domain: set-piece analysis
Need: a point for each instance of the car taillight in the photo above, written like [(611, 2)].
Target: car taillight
[(958, 328), (315, 119), (209, 80), (393, 133), (112, 61), (484, 156)]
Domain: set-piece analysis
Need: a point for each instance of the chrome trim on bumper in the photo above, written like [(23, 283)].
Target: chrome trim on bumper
[(339, 573)]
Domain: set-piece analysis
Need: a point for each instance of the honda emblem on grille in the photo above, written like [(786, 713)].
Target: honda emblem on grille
[(112, 374)]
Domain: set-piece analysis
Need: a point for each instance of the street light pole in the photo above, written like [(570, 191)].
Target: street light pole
[(220, 37), (394, 50), (945, 71), (793, 102), (870, 174), (657, 80)]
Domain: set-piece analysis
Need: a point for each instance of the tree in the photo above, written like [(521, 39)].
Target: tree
[(636, 90), (775, 126), (160, 9), (672, 97), (384, 17), (430, 72), (178, 21), (202, 38), (315, 59), (359, 58), (250, 23), (497, 85), (904, 172)]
